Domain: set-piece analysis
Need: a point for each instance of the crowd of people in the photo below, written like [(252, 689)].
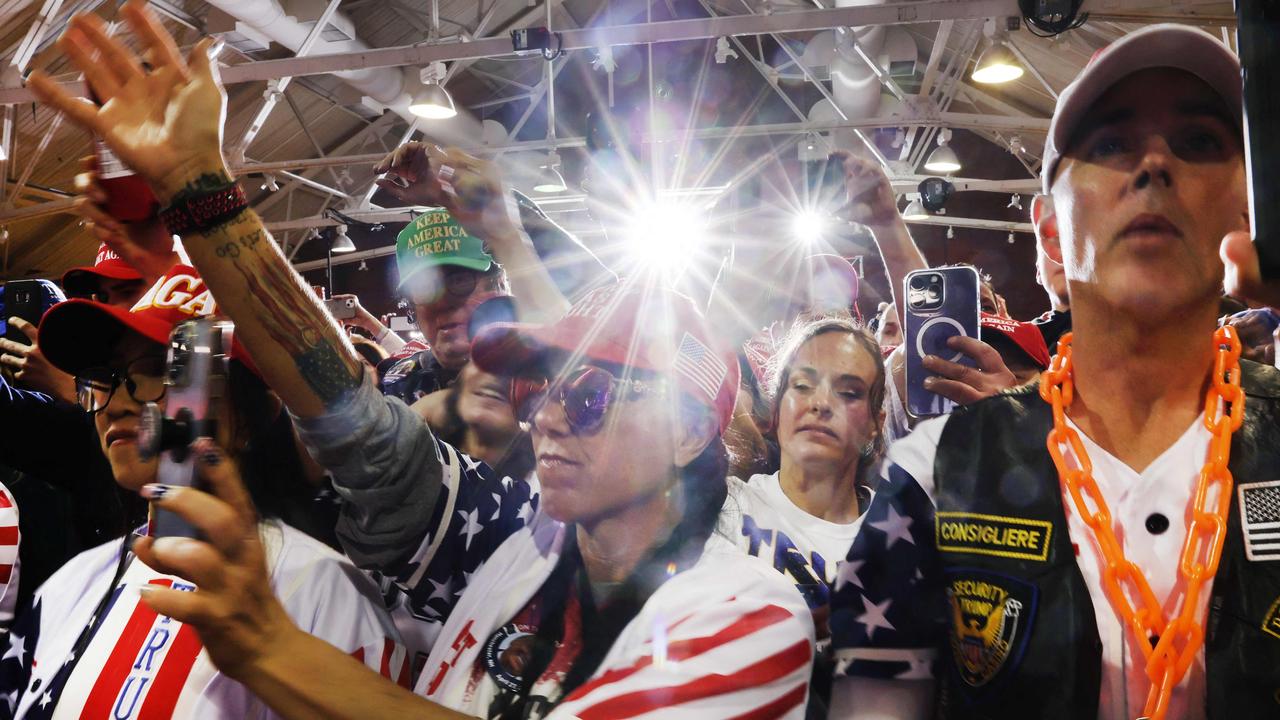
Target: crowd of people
[(576, 497)]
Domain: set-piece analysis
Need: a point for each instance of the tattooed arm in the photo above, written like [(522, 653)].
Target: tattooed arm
[(166, 122)]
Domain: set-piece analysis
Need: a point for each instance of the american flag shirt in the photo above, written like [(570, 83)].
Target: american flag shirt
[(138, 665), (415, 509), (9, 540)]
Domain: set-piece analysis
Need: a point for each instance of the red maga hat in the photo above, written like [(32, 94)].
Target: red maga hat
[(625, 324)]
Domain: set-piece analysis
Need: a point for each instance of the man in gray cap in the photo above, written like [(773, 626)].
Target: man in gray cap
[(1103, 545)]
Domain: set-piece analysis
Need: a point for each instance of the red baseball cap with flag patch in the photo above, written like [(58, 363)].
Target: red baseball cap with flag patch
[(625, 324), (83, 281), (79, 334), (1025, 336)]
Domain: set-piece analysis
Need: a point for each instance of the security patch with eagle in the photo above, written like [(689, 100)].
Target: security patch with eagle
[(990, 619)]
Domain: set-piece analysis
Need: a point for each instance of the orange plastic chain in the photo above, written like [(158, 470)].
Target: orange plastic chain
[(1179, 639)]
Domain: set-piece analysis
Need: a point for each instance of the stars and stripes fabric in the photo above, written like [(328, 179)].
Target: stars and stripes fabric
[(475, 512), (135, 664), (1260, 519), (9, 540), (728, 638), (700, 365), (887, 612)]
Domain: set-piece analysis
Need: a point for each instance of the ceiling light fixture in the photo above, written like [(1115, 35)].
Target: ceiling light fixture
[(341, 241), (997, 64), (549, 178), (943, 159), (432, 102), (915, 211)]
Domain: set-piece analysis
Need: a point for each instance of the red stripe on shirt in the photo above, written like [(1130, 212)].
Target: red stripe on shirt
[(106, 689), (9, 535), (388, 647), (763, 672), (172, 676), (358, 654), (5, 500), (6, 572), (777, 708), (685, 649)]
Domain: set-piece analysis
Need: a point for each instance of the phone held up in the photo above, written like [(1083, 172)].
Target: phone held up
[(195, 379), (941, 303), (29, 300)]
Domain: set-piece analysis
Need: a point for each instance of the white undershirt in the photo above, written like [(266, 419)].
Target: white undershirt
[(1166, 486)]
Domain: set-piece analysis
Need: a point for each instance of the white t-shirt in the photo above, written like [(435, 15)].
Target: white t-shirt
[(760, 518), (138, 664), (1164, 487)]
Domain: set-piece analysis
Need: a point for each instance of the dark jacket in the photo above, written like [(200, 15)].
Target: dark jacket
[(1022, 640)]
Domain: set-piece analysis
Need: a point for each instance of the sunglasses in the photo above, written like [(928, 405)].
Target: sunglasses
[(585, 395)]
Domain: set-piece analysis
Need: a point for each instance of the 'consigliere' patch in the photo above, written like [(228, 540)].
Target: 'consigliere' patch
[(997, 535)]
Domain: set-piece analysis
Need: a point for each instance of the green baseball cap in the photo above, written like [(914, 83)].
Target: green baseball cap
[(434, 238)]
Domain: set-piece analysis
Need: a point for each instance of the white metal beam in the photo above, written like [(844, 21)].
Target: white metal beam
[(894, 13)]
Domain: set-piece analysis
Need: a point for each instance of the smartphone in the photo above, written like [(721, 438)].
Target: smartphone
[(29, 300), (1258, 26), (195, 377), (341, 309), (941, 303)]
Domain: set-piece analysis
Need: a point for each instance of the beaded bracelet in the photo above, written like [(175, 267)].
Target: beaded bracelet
[(204, 210)]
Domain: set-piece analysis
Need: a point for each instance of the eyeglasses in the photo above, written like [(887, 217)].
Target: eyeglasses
[(454, 284), (143, 379), (585, 395)]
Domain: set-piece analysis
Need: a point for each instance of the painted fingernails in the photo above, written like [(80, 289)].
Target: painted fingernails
[(155, 492), (208, 452)]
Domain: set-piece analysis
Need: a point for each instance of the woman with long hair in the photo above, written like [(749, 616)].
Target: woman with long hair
[(828, 384)]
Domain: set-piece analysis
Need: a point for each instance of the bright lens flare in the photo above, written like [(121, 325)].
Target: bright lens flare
[(664, 236), (808, 227)]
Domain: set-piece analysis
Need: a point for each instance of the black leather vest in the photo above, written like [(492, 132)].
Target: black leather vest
[(1022, 640)]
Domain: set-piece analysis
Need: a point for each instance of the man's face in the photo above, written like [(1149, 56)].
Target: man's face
[(1150, 184), (443, 303), (1053, 278), (119, 293), (888, 331)]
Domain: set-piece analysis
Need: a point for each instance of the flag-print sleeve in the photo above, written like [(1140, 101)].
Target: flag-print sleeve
[(9, 539), (414, 508), (741, 650), (17, 663), (887, 612)]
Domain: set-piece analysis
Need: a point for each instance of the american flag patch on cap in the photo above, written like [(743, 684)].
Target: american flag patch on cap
[(1260, 519), (700, 364)]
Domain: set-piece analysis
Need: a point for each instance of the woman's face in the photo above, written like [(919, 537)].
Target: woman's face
[(825, 416), (484, 404), (117, 423), (587, 477)]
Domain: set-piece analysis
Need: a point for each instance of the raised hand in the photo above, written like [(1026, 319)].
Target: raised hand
[(871, 198), (469, 188), (30, 366), (165, 123), (963, 384), (233, 608)]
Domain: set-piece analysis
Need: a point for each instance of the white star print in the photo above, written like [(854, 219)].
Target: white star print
[(16, 649), (873, 616), (471, 462), (45, 700), (497, 500), (441, 591), (849, 573), (471, 526), (896, 527)]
